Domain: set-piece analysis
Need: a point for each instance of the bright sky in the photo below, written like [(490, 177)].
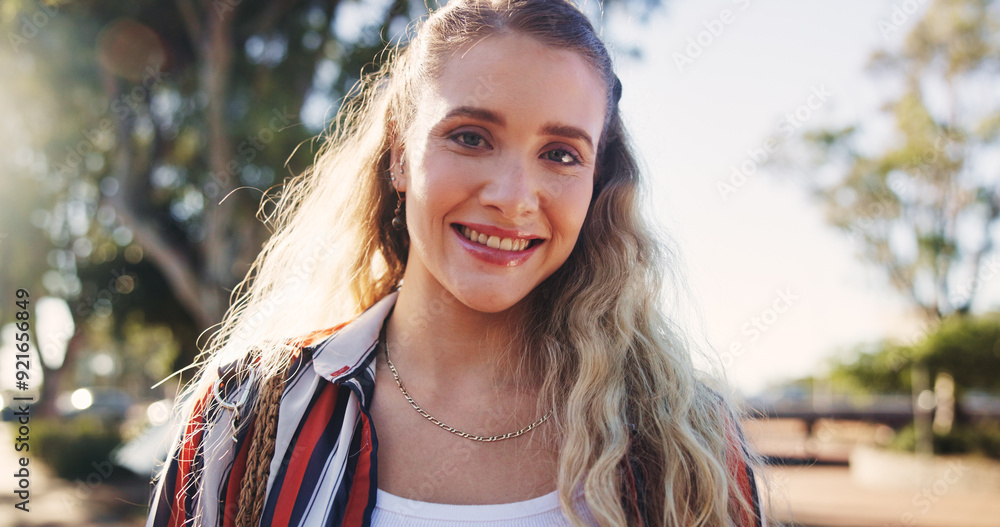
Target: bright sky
[(692, 123)]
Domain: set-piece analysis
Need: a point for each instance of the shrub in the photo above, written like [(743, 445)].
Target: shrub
[(74, 448), (982, 439)]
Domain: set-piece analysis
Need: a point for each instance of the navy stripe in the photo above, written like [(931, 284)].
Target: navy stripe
[(242, 437), (332, 515), (164, 498), (754, 495), (338, 506), (267, 516), (361, 384), (194, 480), (316, 466)]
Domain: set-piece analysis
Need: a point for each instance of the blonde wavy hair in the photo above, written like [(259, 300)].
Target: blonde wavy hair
[(616, 370)]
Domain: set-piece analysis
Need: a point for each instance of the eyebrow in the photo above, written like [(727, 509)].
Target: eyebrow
[(482, 114), (570, 132)]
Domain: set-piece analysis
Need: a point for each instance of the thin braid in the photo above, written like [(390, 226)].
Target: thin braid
[(258, 467)]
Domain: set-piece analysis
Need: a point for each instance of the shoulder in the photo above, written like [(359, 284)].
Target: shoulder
[(248, 370), (216, 423), (228, 393), (740, 459)]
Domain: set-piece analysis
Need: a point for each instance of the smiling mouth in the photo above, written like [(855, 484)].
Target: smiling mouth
[(496, 242)]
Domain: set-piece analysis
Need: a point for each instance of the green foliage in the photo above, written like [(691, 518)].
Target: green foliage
[(905, 440), (879, 367), (967, 347), (905, 201), (982, 439), (75, 448), (923, 205), (141, 136)]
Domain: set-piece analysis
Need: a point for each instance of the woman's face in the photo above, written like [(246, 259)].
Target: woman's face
[(502, 150)]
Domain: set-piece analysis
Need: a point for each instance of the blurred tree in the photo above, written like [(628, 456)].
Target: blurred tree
[(923, 208), (144, 134), (965, 347), (146, 116), (962, 353)]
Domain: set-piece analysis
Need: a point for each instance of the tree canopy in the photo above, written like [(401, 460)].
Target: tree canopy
[(921, 201), (142, 136), (965, 347)]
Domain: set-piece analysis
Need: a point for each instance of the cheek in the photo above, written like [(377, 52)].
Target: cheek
[(446, 173), (439, 187), (448, 168), (572, 207)]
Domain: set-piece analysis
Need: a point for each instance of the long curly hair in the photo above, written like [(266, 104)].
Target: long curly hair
[(628, 403)]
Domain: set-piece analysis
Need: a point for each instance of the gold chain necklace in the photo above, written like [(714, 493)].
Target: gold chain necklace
[(459, 433)]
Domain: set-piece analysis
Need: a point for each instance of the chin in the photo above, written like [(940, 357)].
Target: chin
[(491, 302)]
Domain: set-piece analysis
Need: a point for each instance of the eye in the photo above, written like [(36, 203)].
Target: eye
[(562, 156), (469, 139)]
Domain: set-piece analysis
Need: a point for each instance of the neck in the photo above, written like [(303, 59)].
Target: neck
[(436, 338)]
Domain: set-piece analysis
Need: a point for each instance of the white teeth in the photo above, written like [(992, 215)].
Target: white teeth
[(496, 242)]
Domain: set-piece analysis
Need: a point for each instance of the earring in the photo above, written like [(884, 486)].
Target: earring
[(399, 221)]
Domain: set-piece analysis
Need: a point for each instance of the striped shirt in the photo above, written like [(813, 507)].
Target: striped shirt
[(324, 467)]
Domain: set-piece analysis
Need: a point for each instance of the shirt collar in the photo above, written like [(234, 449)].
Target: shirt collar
[(345, 352)]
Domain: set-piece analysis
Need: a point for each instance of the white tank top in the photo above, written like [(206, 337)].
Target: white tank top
[(395, 511)]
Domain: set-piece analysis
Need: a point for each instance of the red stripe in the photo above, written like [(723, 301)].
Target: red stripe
[(738, 470), (192, 435), (313, 428), (236, 479), (357, 501)]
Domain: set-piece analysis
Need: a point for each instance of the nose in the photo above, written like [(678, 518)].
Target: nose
[(512, 190)]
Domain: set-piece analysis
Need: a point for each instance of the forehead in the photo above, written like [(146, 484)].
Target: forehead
[(523, 79)]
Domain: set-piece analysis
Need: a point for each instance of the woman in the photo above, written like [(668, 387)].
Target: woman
[(474, 218)]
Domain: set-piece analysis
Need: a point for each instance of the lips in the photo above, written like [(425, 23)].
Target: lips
[(497, 237), (495, 245), (494, 242)]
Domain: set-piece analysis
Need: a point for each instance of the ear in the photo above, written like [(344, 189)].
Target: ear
[(397, 166)]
